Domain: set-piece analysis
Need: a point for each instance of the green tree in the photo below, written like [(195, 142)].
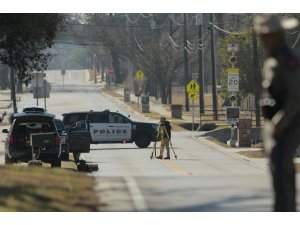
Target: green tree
[(243, 37), (243, 58), (24, 40)]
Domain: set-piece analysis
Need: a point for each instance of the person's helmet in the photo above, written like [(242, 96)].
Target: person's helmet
[(162, 119), (272, 23)]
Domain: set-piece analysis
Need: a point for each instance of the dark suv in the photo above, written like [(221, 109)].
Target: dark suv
[(26, 128)]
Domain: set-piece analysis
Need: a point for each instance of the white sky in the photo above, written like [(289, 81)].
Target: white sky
[(150, 6)]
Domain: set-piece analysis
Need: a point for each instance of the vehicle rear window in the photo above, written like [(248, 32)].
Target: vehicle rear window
[(22, 131), (59, 125), (34, 127)]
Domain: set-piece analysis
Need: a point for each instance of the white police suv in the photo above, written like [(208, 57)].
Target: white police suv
[(113, 127)]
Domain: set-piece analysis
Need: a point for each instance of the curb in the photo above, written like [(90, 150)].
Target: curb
[(217, 147)]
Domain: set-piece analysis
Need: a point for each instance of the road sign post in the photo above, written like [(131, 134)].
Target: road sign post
[(233, 73), (233, 79), (63, 73), (192, 89), (110, 75), (139, 75), (193, 114), (233, 82), (37, 80), (42, 92), (232, 118)]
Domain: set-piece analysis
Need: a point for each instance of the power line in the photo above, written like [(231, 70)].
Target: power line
[(146, 17), (175, 22), (190, 47), (131, 21), (138, 44), (229, 32), (162, 25), (173, 44)]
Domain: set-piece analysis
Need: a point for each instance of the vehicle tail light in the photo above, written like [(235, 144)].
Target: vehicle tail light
[(57, 140), (10, 139)]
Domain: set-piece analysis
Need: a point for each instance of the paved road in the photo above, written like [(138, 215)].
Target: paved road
[(202, 179)]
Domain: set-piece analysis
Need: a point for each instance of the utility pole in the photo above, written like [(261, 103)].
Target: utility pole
[(170, 89), (199, 22), (130, 78), (257, 80), (213, 63), (186, 69), (95, 65)]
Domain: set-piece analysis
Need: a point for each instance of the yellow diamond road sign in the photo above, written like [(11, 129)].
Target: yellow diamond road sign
[(139, 75), (192, 87)]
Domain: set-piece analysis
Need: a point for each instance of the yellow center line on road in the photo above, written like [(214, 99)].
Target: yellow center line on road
[(176, 168)]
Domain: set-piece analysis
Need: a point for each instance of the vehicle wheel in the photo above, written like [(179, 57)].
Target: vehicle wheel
[(143, 140), (8, 161), (56, 162)]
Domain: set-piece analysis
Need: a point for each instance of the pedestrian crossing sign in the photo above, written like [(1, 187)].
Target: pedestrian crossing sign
[(193, 88), (139, 75)]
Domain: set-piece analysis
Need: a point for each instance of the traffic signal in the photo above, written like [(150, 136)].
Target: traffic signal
[(233, 59), (233, 98)]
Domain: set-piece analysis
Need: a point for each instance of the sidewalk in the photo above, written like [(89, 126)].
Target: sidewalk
[(156, 106)]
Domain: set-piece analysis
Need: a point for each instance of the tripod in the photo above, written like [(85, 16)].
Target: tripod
[(170, 142), (154, 147)]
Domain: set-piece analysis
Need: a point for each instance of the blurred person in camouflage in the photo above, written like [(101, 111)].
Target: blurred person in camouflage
[(164, 137), (280, 102)]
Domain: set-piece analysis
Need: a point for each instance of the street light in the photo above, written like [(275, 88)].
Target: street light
[(95, 60), (233, 48)]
